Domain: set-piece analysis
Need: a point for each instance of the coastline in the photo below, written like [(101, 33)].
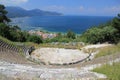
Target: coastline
[(56, 24), (52, 32)]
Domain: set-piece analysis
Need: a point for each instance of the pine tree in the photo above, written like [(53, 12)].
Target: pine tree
[(3, 17)]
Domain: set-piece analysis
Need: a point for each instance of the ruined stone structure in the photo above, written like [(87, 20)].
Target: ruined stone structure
[(6, 47)]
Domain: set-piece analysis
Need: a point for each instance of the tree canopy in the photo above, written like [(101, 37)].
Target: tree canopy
[(105, 33), (71, 34), (3, 17)]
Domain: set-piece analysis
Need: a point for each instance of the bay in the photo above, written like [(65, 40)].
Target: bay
[(78, 24)]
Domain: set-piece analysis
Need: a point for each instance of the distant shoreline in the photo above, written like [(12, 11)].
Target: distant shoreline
[(56, 24)]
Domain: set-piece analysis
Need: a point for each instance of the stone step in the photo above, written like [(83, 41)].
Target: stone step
[(5, 44), (5, 47), (2, 43)]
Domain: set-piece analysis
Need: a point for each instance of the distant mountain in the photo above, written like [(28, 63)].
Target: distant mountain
[(20, 12)]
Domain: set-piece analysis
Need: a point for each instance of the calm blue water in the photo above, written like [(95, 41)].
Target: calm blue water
[(78, 24)]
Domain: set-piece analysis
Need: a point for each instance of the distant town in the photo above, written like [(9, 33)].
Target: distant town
[(43, 34)]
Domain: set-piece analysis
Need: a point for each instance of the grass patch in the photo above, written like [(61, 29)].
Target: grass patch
[(16, 43), (7, 41), (108, 50), (111, 71)]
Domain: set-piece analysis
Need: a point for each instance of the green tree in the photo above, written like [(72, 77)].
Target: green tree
[(35, 39), (14, 35), (16, 28), (71, 35), (24, 36), (4, 30), (3, 17), (116, 22), (59, 35), (100, 35)]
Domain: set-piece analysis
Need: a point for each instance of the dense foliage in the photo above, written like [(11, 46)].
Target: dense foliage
[(3, 17), (35, 39), (109, 32), (70, 36), (14, 33)]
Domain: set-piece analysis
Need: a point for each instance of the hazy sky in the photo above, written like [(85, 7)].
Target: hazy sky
[(70, 7)]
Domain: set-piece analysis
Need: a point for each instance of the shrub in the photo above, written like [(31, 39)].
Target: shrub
[(35, 39)]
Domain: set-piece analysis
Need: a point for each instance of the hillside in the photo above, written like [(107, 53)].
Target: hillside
[(12, 52), (77, 61), (20, 12)]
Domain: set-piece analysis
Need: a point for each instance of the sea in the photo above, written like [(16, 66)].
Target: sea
[(77, 24)]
